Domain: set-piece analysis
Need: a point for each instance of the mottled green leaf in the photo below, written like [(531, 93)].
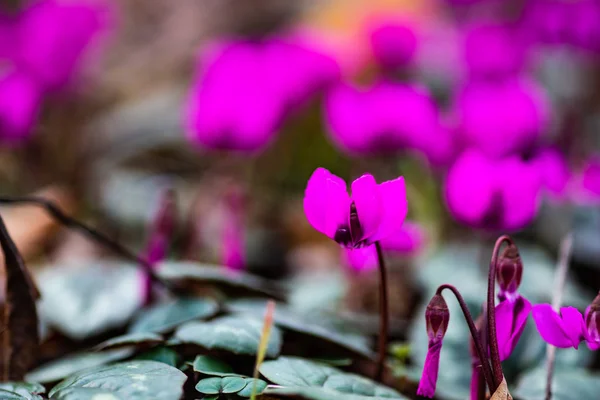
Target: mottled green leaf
[(208, 365), (164, 317)]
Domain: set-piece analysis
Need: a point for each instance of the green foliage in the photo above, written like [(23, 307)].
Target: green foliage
[(21, 391), (142, 339), (208, 365)]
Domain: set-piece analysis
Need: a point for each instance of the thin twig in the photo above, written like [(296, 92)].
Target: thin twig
[(560, 279), (383, 314), (481, 352), (92, 233)]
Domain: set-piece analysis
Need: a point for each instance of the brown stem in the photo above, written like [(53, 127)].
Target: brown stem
[(498, 374), (485, 364), (383, 314), (101, 238)]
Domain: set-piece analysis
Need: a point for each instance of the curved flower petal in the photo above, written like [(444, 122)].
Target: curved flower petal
[(511, 317), (395, 208), (408, 239), (560, 332), (326, 202), (428, 380), (367, 199), (361, 260)]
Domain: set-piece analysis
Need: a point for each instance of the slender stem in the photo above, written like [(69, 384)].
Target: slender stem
[(481, 353), (93, 234), (491, 310), (484, 344), (559, 285), (383, 314)]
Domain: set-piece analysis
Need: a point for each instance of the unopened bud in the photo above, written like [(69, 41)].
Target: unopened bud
[(592, 320), (437, 317), (509, 271)]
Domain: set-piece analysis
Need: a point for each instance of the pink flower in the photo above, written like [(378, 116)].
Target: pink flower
[(553, 170), (492, 194), (393, 43), (20, 101), (372, 213)]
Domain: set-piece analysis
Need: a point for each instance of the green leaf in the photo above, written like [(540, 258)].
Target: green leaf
[(161, 354), (132, 380), (167, 316), (233, 333), (8, 395), (298, 374), (142, 339), (250, 382), (227, 384), (315, 326), (29, 391), (82, 301), (567, 384), (63, 367), (317, 393), (235, 282), (208, 365), (80, 393)]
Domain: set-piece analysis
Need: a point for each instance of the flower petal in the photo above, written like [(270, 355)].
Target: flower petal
[(395, 208), (326, 202), (361, 260), (430, 370), (521, 193), (367, 199), (560, 332), (409, 239), (511, 317)]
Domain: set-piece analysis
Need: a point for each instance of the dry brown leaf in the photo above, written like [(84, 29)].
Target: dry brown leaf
[(502, 392), (20, 337)]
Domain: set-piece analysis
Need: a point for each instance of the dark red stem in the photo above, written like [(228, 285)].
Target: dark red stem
[(383, 314), (485, 364), (491, 312)]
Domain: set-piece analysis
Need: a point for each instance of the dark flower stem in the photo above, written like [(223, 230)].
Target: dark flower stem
[(485, 364), (498, 374), (93, 234), (383, 314), (560, 278)]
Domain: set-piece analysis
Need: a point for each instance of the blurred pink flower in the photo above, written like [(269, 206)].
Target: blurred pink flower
[(492, 194), (585, 184), (393, 43), (384, 118), (245, 89), (20, 101), (554, 171), (501, 118), (372, 213), (408, 240)]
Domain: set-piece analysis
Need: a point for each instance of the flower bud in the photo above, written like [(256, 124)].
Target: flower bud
[(592, 320), (509, 271), (437, 317)]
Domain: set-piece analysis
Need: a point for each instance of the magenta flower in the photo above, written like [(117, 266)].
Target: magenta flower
[(501, 118), (372, 213), (20, 101), (384, 118), (513, 309), (437, 317), (406, 241), (232, 234), (52, 37), (590, 179), (569, 328), (554, 171), (245, 89), (393, 43), (493, 51), (492, 194)]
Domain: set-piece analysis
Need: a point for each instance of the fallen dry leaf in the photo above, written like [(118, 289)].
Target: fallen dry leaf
[(502, 392)]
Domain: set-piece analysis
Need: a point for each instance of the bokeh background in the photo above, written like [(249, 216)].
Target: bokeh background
[(489, 109)]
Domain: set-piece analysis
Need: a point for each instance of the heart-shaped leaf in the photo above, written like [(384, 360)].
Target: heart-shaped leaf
[(226, 385), (297, 374), (567, 384), (315, 326), (28, 391), (208, 365), (133, 380), (161, 354), (250, 383), (142, 339), (237, 334), (83, 301), (167, 316), (63, 367)]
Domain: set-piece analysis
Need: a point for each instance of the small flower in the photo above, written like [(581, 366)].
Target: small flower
[(393, 43), (569, 327), (513, 309), (492, 194), (501, 118), (384, 118), (553, 170), (373, 213), (20, 101), (437, 317)]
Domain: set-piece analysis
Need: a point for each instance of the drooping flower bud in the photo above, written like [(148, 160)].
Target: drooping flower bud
[(437, 317), (509, 271), (592, 322)]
